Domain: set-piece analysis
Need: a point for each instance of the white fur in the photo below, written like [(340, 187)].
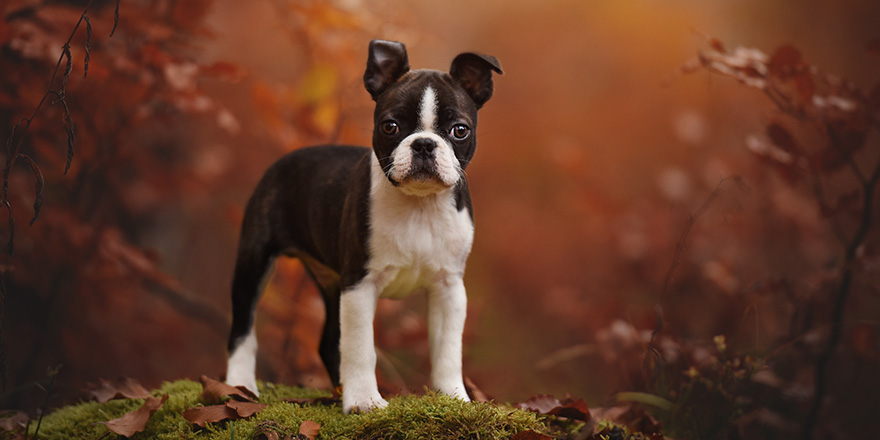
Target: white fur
[(417, 243), (357, 368), (241, 367), (448, 167), (428, 109)]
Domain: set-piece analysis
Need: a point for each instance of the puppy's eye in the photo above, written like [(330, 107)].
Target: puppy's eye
[(460, 131), (390, 128)]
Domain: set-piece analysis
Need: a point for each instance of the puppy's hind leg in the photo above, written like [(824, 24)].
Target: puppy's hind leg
[(328, 283), (253, 268)]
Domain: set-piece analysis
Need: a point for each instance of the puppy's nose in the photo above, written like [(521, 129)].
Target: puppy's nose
[(423, 147)]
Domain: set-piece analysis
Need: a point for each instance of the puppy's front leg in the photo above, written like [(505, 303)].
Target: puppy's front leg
[(447, 309), (357, 368)]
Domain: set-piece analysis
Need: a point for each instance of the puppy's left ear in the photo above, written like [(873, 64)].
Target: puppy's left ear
[(473, 72)]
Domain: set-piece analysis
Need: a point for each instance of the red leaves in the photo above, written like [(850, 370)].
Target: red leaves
[(135, 421), (548, 405), (121, 387), (803, 92)]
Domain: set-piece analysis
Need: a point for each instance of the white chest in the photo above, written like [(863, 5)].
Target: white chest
[(415, 242)]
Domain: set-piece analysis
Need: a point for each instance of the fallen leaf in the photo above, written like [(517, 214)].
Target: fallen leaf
[(634, 417), (216, 391), (135, 421), (12, 420), (476, 393), (121, 387), (202, 415), (269, 430), (530, 435), (231, 410), (549, 405), (245, 409), (309, 429)]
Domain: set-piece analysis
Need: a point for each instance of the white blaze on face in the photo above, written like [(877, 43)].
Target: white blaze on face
[(428, 110), (448, 169)]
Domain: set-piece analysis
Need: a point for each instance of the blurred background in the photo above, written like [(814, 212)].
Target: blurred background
[(623, 218)]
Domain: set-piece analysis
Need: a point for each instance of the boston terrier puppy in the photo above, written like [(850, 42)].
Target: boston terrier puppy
[(366, 224)]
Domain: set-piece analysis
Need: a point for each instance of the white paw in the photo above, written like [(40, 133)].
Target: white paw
[(362, 403), (242, 364), (453, 388), (460, 393)]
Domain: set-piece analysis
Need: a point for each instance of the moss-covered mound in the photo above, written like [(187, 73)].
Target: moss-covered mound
[(410, 417)]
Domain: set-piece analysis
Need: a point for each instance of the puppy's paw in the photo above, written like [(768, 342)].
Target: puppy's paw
[(454, 389), (367, 402), (460, 393)]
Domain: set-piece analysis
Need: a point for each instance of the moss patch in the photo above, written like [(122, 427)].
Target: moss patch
[(409, 417)]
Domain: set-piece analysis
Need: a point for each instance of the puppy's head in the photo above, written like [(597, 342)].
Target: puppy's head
[(424, 132)]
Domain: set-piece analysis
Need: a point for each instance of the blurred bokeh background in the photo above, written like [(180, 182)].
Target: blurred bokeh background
[(614, 196)]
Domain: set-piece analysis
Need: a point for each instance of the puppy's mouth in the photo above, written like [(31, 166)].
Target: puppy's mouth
[(423, 170), (421, 181)]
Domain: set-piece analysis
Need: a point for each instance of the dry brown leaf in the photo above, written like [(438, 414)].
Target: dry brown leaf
[(202, 415), (475, 392), (269, 430), (135, 421), (121, 387), (12, 420), (231, 410), (530, 435), (245, 409), (216, 391), (549, 405), (309, 429)]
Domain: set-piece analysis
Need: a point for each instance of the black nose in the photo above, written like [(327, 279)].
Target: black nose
[(423, 147)]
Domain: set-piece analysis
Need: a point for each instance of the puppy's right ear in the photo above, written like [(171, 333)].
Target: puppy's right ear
[(386, 63)]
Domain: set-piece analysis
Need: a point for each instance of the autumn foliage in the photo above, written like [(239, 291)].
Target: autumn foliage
[(688, 246)]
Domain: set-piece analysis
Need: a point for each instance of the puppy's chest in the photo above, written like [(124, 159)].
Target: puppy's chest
[(417, 243)]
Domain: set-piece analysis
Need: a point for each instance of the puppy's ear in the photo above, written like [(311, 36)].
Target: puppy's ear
[(474, 73), (386, 63)]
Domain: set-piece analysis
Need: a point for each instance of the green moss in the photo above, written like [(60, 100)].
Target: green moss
[(428, 416)]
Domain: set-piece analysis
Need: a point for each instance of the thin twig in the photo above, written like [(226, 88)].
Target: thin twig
[(843, 290), (13, 144)]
